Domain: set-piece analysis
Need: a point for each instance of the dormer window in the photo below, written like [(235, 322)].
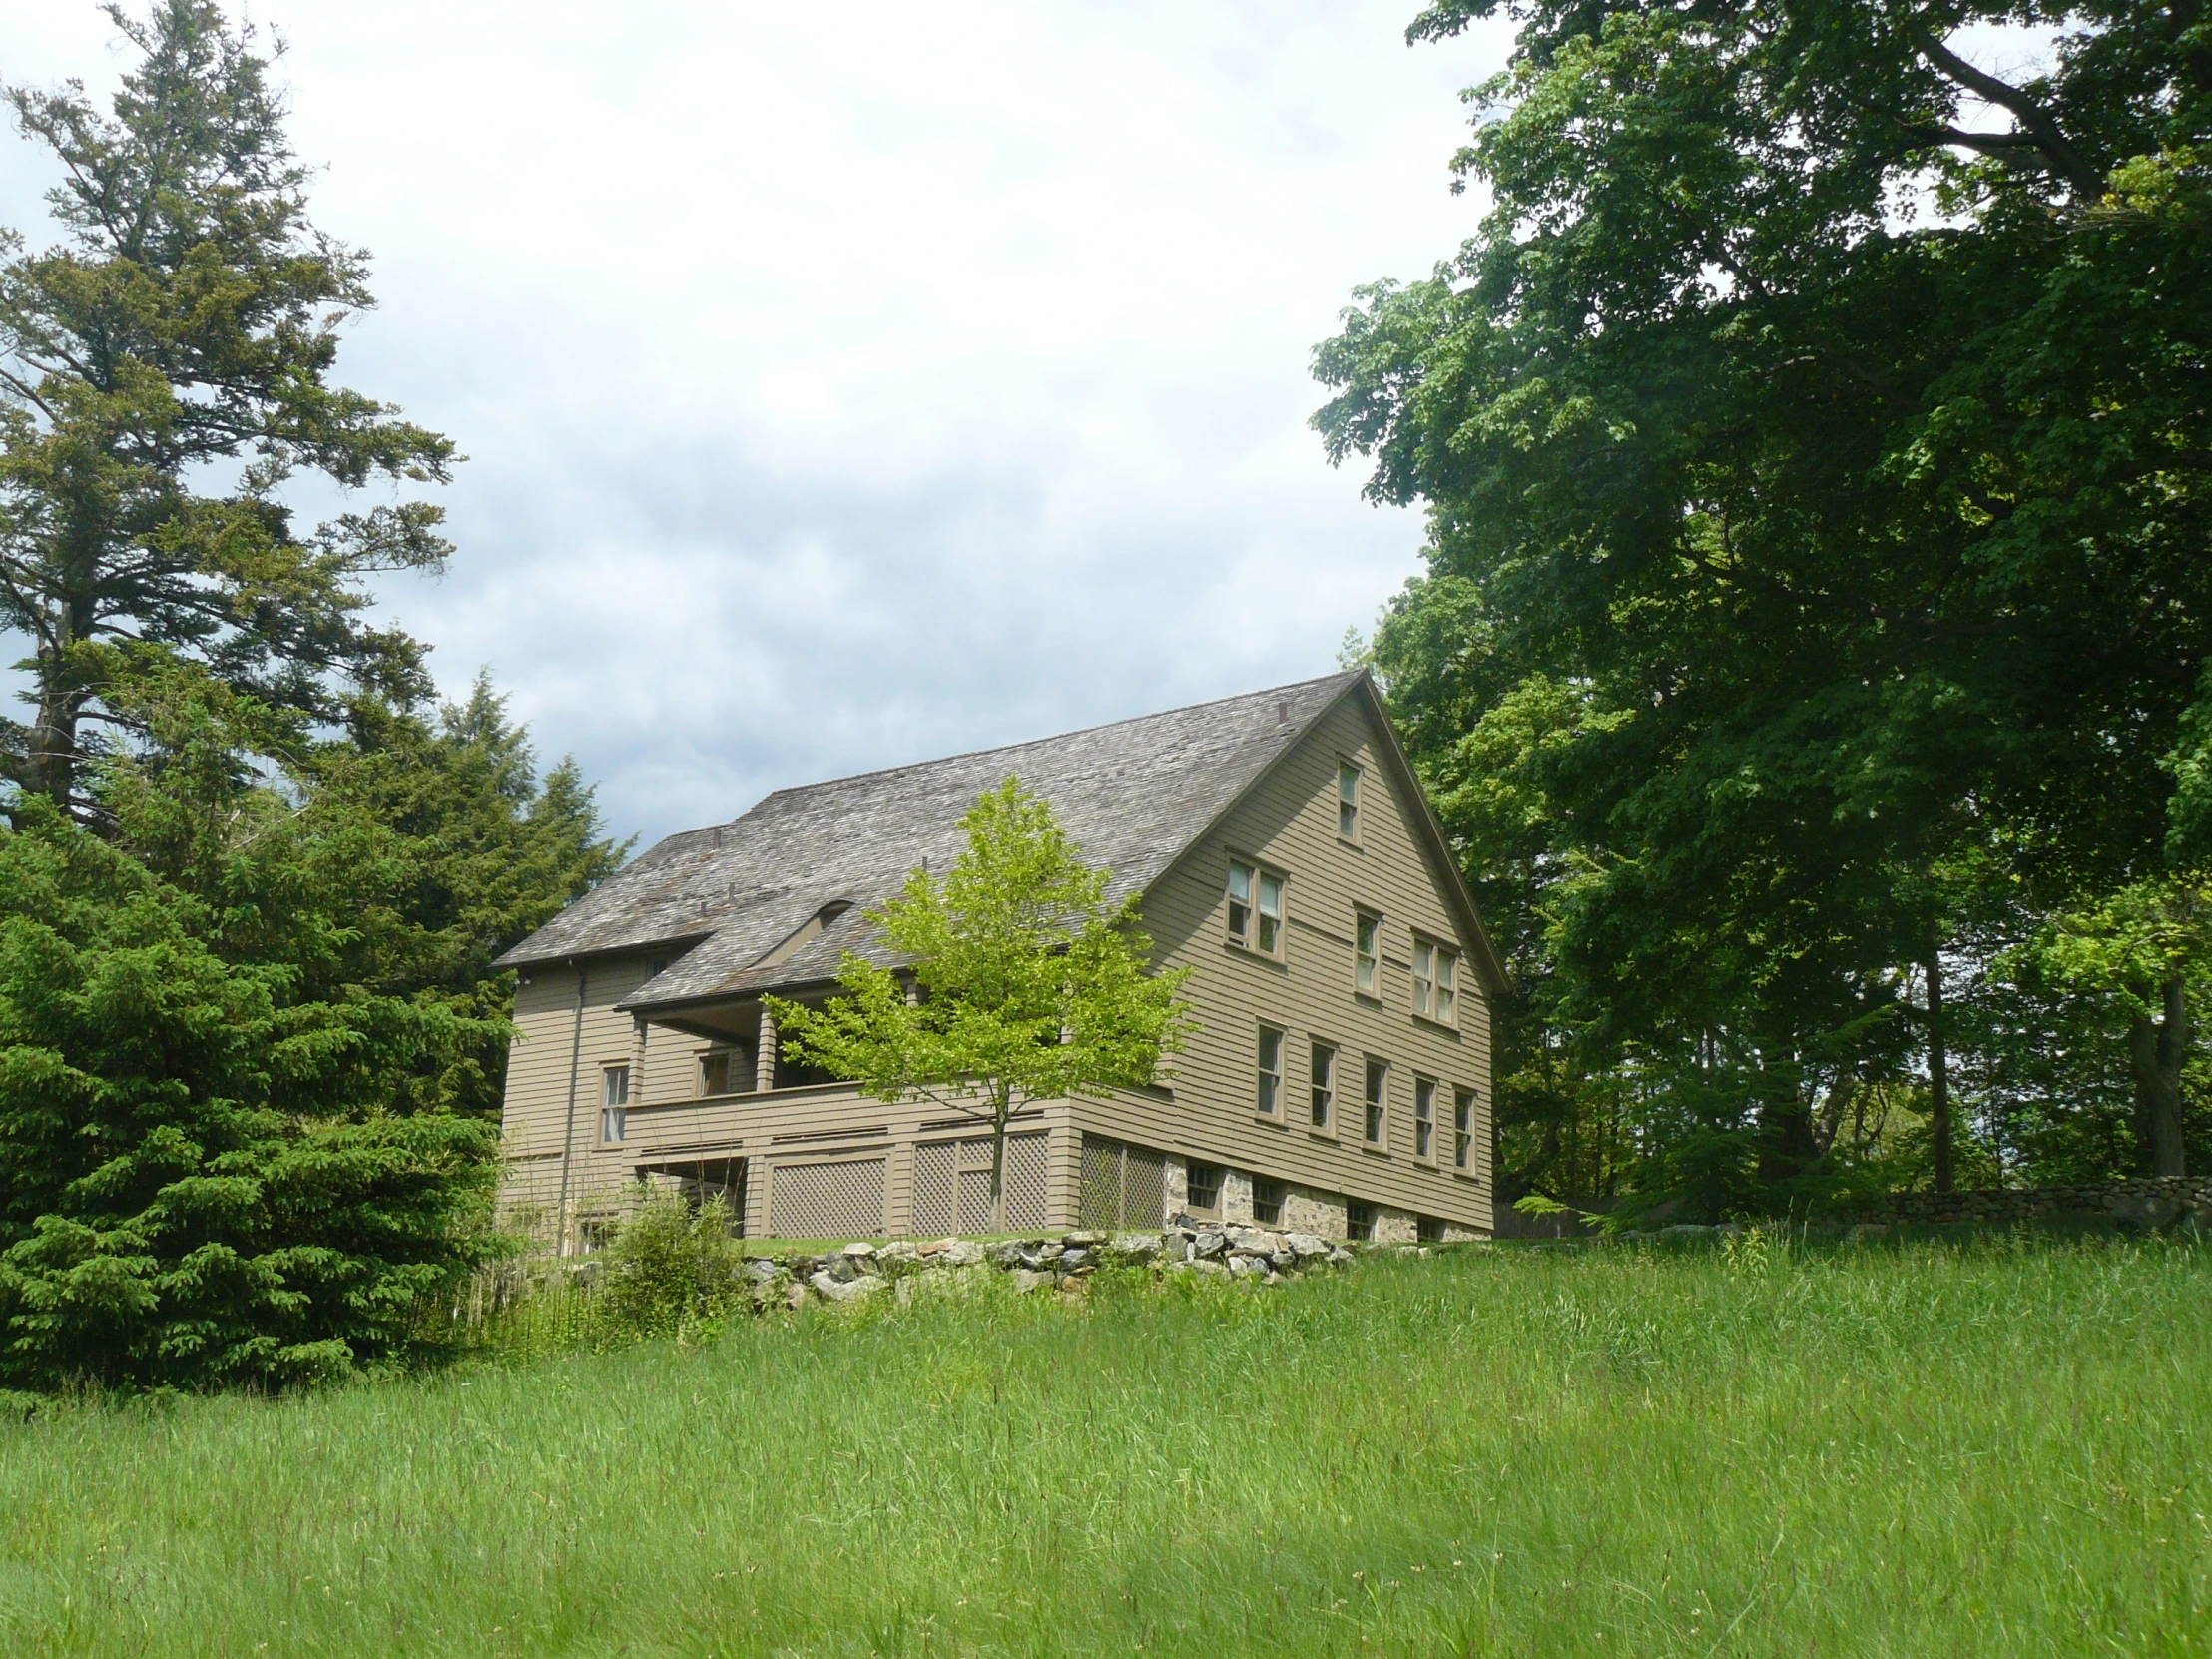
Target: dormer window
[(1255, 909), (1347, 801)]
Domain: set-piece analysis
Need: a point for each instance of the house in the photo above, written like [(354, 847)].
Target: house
[(1338, 1079)]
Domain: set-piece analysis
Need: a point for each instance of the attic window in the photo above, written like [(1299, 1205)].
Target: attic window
[(1255, 909), (1347, 801)]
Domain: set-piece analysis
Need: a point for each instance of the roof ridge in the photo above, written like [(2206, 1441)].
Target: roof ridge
[(1031, 743)]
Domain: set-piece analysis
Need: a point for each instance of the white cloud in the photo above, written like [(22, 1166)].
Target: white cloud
[(850, 385)]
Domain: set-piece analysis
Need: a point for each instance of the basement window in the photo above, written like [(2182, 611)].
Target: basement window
[(1358, 1219), (1267, 1201), (1202, 1189), (1429, 1230), (614, 1104)]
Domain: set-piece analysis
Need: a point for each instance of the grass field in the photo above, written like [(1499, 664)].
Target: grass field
[(2000, 1449)]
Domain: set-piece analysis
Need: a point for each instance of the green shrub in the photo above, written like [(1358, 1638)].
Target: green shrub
[(668, 1270)]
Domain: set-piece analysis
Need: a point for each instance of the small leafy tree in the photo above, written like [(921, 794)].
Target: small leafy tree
[(1028, 985)]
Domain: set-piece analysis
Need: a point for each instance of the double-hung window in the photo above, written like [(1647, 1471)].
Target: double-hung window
[(1325, 1085), (1347, 801), (1255, 909), (1462, 1129), (614, 1103), (1378, 1072), (1271, 1070), (1366, 976), (1436, 983), (1425, 1117)]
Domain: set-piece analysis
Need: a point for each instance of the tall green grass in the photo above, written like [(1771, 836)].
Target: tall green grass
[(1997, 1449)]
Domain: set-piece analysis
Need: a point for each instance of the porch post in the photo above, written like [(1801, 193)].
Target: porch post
[(764, 1071)]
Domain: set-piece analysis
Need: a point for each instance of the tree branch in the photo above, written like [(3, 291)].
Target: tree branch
[(2043, 132)]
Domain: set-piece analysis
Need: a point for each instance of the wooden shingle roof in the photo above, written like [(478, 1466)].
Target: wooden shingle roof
[(1134, 795)]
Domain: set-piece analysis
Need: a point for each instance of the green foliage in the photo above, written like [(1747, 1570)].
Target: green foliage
[(1916, 1449), (250, 1048), (203, 1179), (164, 371), (1031, 985), (671, 1269), (1817, 474)]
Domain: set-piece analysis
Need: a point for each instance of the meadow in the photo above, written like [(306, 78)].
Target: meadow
[(1994, 1448)]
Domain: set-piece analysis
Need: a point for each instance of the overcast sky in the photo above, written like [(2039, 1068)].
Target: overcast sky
[(850, 385)]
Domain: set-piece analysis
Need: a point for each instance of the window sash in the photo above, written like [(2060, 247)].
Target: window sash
[(1462, 1128), (1239, 903), (1324, 1084), (1369, 932), (1425, 1118), (1347, 801), (1271, 913), (1267, 1201), (1271, 1070), (616, 1086), (1447, 988), (614, 1123), (1424, 975), (1202, 1187), (1377, 1072)]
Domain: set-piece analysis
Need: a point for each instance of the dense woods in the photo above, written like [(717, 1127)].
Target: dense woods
[(1816, 439)]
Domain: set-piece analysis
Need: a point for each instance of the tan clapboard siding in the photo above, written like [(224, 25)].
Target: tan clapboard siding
[(1289, 822)]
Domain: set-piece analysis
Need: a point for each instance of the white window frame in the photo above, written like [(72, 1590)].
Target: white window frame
[(1375, 1101), (614, 1103), (1269, 1092), (1425, 1119), (1436, 981), (1367, 955), (1462, 1129), (1261, 927), (1322, 1101), (1347, 801)]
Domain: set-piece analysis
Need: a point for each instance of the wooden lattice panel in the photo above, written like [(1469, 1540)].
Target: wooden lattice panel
[(1121, 1186), (842, 1200), (953, 1185)]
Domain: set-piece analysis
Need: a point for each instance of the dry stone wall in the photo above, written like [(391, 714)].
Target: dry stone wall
[(1064, 1262), (2149, 1201)]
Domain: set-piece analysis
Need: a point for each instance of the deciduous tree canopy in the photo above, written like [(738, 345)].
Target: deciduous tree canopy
[(1815, 438)]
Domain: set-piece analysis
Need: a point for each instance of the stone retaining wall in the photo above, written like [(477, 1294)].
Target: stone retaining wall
[(2148, 1201), (1062, 1264)]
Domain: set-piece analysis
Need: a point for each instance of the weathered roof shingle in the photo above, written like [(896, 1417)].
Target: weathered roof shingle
[(1133, 796)]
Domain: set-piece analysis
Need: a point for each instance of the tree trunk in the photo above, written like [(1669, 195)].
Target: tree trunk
[(998, 1168), (1939, 1073), (2155, 1049)]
